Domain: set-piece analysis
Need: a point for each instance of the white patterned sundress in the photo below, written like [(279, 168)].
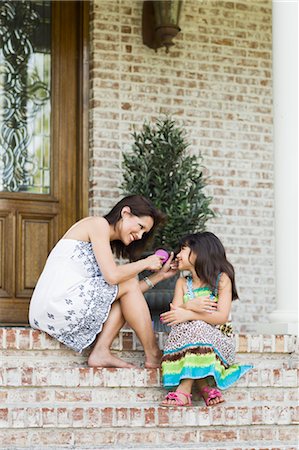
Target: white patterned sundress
[(71, 300)]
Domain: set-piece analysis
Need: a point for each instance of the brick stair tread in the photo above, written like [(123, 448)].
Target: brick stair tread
[(150, 416), (25, 338), (255, 437), (254, 446), (74, 399), (202, 446), (117, 377), (70, 362), (37, 397), (133, 406)]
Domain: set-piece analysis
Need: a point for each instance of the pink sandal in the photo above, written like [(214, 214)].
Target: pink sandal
[(178, 402), (212, 393)]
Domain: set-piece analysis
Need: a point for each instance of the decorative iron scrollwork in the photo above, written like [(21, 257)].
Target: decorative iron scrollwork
[(22, 94)]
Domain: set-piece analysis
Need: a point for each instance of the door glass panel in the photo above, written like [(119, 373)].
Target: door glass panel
[(25, 104)]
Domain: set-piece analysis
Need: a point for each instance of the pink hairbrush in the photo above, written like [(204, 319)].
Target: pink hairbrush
[(163, 254)]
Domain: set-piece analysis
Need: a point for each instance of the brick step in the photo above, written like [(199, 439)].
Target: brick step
[(95, 387), (206, 437), (24, 346), (136, 398), (151, 416), (25, 338), (71, 360), (115, 378)]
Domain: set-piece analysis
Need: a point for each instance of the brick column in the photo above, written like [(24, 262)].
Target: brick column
[(284, 319)]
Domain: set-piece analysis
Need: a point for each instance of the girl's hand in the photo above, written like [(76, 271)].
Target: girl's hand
[(154, 263), (202, 304), (175, 316), (169, 269)]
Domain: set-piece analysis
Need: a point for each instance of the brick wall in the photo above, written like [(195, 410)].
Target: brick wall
[(216, 82)]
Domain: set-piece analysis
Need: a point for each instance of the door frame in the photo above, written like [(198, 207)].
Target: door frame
[(82, 113), (83, 139), (14, 215)]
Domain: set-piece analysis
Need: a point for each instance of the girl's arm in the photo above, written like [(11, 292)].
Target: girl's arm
[(178, 295), (220, 315), (99, 236), (177, 313), (204, 308)]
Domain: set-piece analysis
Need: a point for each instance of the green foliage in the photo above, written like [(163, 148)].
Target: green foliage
[(160, 168)]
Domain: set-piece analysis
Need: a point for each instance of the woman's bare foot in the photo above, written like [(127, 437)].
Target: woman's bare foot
[(106, 359), (153, 360)]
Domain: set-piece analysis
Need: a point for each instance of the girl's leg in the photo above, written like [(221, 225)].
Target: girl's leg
[(101, 355), (184, 386), (202, 384), (136, 313)]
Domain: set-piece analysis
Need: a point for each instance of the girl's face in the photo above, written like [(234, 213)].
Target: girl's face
[(185, 258), (132, 228)]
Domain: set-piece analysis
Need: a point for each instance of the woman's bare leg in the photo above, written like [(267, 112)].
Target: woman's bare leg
[(101, 355), (130, 306), (136, 313)]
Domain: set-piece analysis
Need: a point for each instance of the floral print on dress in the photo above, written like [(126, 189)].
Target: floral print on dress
[(78, 315)]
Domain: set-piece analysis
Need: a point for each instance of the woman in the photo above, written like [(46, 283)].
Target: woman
[(83, 293)]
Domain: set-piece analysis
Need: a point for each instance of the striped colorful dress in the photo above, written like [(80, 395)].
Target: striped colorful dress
[(196, 349)]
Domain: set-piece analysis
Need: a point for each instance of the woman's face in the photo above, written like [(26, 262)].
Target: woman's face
[(185, 258), (132, 228)]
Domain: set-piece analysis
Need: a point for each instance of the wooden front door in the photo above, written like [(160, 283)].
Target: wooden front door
[(43, 132)]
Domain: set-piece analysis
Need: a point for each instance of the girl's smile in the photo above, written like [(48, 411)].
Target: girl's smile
[(185, 259)]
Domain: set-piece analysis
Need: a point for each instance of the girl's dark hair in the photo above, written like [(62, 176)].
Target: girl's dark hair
[(210, 258), (140, 206)]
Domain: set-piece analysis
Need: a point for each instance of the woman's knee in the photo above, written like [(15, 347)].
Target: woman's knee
[(129, 286)]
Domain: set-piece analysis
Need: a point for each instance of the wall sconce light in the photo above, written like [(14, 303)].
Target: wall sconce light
[(160, 22)]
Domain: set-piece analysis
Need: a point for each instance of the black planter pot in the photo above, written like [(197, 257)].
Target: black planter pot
[(158, 299)]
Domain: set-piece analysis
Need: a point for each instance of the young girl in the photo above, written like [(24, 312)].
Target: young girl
[(200, 347), (83, 293)]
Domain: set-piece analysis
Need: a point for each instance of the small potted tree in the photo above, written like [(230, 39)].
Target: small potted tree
[(160, 167)]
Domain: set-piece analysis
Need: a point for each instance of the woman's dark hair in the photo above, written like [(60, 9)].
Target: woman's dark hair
[(139, 206), (210, 258)]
